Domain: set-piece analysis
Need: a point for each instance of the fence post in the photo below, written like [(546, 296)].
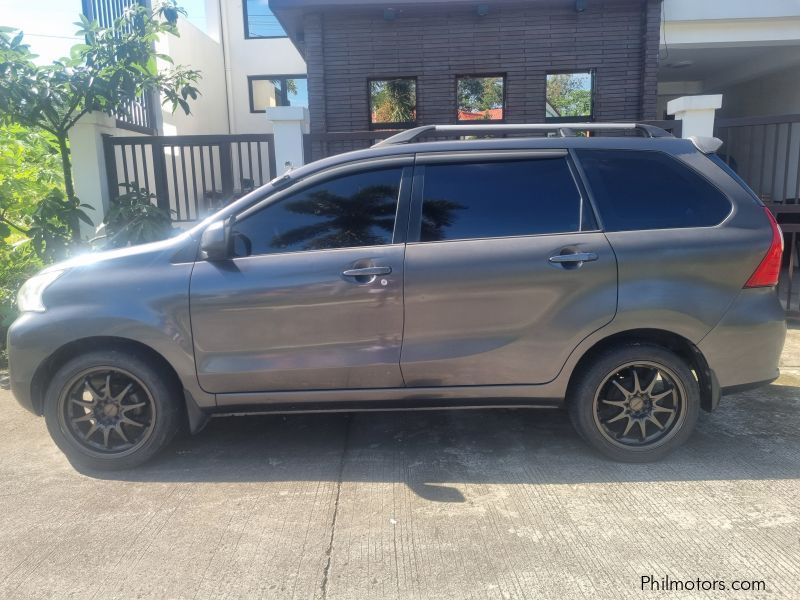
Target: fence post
[(89, 165), (289, 123), (160, 173), (696, 114), (226, 170)]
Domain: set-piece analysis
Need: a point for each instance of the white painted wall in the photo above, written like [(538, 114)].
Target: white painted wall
[(245, 57), (226, 59), (195, 49), (697, 10), (773, 94)]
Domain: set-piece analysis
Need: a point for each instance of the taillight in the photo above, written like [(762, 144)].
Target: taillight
[(768, 272)]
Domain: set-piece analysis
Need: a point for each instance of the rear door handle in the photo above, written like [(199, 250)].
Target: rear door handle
[(577, 257), (367, 271)]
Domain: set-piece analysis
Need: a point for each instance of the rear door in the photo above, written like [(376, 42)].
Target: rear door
[(505, 270), (313, 298)]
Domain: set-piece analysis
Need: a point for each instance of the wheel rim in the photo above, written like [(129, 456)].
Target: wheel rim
[(107, 411), (639, 405)]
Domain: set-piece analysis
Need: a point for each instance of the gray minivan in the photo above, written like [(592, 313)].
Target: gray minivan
[(630, 279)]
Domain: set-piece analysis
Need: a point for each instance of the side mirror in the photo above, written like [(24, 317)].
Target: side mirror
[(215, 243)]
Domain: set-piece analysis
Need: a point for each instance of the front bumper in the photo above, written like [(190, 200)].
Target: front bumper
[(28, 350)]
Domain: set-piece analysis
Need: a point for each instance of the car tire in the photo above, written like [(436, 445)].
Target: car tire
[(109, 410), (635, 403)]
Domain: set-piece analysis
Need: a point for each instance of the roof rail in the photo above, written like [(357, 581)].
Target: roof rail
[(563, 129)]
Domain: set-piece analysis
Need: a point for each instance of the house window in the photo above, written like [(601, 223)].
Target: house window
[(481, 98), (392, 102), (259, 21), (277, 90), (570, 96)]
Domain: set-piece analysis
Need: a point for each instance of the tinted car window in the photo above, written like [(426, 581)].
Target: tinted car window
[(650, 190), (346, 212), (497, 199)]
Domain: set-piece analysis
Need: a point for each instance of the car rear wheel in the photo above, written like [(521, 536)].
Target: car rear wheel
[(111, 410), (635, 403)]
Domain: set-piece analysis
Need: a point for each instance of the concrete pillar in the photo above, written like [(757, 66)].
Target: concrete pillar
[(89, 165), (289, 123), (696, 112)]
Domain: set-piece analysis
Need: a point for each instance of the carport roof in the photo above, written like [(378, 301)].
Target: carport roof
[(290, 12)]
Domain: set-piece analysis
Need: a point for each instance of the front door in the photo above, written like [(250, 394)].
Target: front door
[(312, 298), (506, 272)]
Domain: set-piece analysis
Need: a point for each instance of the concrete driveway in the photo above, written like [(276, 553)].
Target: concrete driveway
[(473, 504)]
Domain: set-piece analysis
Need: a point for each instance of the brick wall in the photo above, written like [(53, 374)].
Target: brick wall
[(346, 46)]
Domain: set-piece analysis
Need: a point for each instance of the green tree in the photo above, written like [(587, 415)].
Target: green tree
[(108, 73), (29, 168)]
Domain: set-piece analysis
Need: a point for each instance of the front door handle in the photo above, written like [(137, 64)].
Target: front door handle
[(577, 257), (367, 271)]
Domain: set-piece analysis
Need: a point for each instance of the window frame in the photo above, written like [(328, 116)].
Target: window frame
[(592, 71), (284, 91), (404, 162), (393, 125), (502, 76), (246, 24), (587, 215)]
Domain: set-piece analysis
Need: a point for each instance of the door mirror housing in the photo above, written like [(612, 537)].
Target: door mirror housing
[(215, 243)]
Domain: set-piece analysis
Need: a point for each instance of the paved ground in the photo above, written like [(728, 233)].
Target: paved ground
[(476, 504)]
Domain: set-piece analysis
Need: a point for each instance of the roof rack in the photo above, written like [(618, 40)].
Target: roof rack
[(563, 129)]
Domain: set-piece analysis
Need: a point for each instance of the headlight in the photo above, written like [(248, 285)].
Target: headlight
[(29, 297)]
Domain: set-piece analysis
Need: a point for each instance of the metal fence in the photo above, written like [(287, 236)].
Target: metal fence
[(765, 152), (190, 175)]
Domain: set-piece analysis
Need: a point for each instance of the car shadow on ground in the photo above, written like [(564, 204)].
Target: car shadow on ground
[(753, 435)]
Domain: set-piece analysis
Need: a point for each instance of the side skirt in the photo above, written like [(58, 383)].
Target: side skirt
[(384, 399)]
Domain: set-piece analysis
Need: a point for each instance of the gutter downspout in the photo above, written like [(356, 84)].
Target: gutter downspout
[(223, 23)]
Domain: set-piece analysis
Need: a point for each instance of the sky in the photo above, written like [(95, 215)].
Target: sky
[(48, 24)]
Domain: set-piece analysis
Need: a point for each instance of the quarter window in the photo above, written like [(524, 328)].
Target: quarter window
[(277, 90), (346, 212), (637, 190), (498, 199), (259, 20)]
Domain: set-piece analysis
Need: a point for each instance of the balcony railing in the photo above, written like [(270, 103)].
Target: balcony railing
[(140, 115)]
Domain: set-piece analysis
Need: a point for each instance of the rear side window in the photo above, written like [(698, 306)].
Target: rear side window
[(650, 190), (499, 199), (345, 212)]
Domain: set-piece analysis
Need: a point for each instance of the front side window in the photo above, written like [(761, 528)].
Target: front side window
[(569, 96), (345, 212), (392, 102), (259, 21), (481, 98), (499, 199), (277, 90), (637, 190)]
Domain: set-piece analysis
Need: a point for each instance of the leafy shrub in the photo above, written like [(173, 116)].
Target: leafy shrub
[(134, 218)]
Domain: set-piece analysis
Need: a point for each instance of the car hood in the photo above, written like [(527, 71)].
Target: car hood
[(132, 254)]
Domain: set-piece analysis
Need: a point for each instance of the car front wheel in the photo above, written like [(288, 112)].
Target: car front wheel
[(635, 403), (111, 410)]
